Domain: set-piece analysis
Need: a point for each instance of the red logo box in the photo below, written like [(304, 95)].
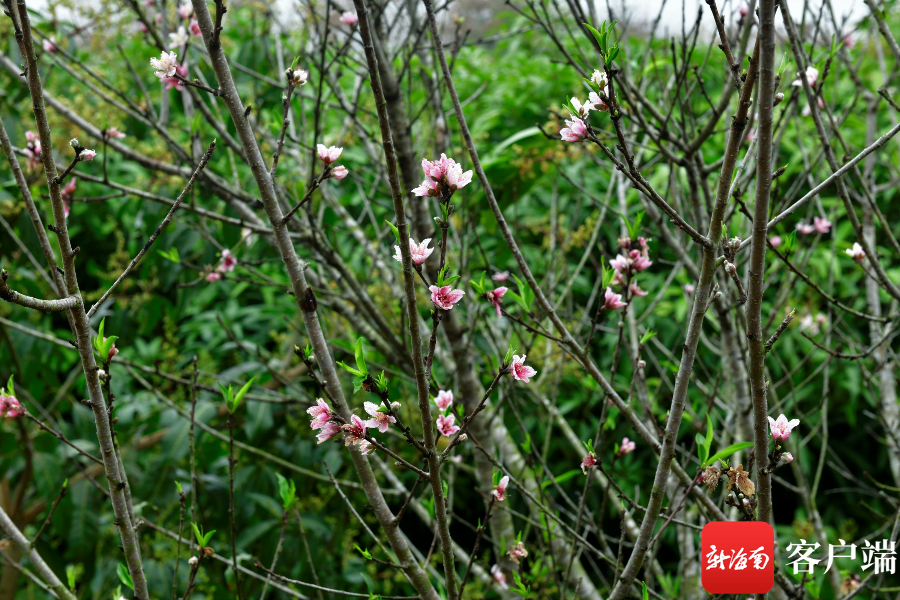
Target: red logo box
[(737, 557)]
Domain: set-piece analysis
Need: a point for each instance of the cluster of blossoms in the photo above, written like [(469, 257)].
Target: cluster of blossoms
[(328, 156), (321, 415), (420, 252), (856, 252), (440, 175), (590, 459), (819, 225), (635, 259), (576, 129), (446, 421), (227, 264), (32, 149), (67, 193), (812, 76), (349, 18)]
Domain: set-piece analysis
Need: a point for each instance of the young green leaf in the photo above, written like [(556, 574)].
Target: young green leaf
[(361, 358), (236, 399), (394, 229), (124, 575), (727, 452)]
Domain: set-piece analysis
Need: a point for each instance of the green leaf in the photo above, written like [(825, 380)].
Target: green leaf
[(709, 435), (124, 575), (361, 357), (644, 594), (236, 401), (172, 253), (526, 293), (370, 585), (561, 478), (366, 554), (597, 36), (70, 576), (648, 335), (178, 487), (9, 387), (287, 490), (349, 368), (394, 229), (478, 286), (197, 534), (727, 452), (702, 451)]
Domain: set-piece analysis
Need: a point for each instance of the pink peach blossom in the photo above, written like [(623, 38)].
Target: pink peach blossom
[(320, 413), (165, 64), (856, 252), (805, 228), (499, 577), (496, 296), (781, 428), (428, 188), (328, 431), (775, 240), (87, 155), (822, 225), (213, 276), (339, 172), (518, 552), (380, 420), (501, 276), (10, 407), (612, 300), (330, 154), (420, 252), (446, 424), (444, 399), (587, 462), (445, 297), (354, 431), (349, 18), (575, 130), (499, 490), (626, 447), (520, 370), (812, 75)]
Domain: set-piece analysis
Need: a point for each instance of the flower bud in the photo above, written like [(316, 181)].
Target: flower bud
[(734, 243), (74, 142), (193, 561), (463, 438), (730, 268), (785, 458), (779, 98), (101, 374)]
